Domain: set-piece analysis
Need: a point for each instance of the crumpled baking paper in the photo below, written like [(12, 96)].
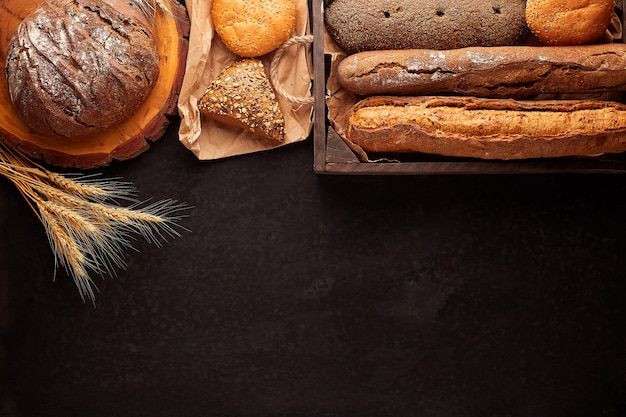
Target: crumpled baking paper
[(207, 57)]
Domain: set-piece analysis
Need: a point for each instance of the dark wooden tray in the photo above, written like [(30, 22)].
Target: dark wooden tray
[(333, 156)]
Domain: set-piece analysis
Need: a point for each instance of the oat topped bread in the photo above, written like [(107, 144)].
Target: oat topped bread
[(361, 25), (78, 67), (242, 96)]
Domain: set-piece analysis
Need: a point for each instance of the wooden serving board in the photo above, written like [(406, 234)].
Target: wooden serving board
[(121, 142)]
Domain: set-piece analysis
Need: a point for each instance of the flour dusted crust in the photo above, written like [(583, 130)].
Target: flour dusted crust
[(487, 128), (77, 67), (242, 96), (569, 22), (496, 72), (363, 25), (251, 28)]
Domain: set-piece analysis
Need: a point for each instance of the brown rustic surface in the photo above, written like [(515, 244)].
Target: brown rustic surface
[(304, 295), (118, 143)]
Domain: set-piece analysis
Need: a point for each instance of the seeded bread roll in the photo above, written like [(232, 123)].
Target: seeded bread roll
[(487, 128), (251, 28), (567, 22), (78, 67), (242, 96), (361, 25)]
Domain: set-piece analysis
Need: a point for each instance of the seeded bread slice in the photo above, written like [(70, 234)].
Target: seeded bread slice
[(242, 95)]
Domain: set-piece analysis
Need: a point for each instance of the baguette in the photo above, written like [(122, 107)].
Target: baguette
[(491, 72), (473, 127)]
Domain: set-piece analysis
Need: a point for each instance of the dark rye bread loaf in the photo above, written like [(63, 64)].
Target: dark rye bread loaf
[(362, 25), (78, 67)]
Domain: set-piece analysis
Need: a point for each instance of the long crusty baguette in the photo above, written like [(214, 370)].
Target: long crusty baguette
[(493, 72), (487, 128)]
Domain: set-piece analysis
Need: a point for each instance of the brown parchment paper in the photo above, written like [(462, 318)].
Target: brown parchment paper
[(207, 57), (338, 100)]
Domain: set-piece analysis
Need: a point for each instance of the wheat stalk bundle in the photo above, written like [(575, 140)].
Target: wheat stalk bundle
[(87, 227)]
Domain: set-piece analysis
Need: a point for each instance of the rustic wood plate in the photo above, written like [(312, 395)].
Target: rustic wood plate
[(121, 142)]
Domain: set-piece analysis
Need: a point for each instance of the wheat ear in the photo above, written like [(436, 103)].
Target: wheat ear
[(150, 8), (88, 230)]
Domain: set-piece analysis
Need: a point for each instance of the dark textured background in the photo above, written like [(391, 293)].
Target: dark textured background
[(296, 294)]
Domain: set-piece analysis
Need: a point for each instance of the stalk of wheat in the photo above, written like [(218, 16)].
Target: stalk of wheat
[(87, 227), (151, 7)]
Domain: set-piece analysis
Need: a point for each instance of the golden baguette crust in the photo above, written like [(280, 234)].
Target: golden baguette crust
[(487, 128), (494, 72)]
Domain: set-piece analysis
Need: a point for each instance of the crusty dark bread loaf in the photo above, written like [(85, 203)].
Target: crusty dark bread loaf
[(487, 128), (362, 25), (495, 72), (77, 67)]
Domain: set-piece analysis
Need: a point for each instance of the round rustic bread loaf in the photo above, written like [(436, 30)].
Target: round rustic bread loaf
[(251, 28), (566, 22), (361, 25), (77, 67)]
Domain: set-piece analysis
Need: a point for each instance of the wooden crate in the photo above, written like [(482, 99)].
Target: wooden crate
[(333, 156)]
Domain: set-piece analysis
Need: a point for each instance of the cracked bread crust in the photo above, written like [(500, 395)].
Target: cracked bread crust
[(492, 72), (483, 128), (77, 67)]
